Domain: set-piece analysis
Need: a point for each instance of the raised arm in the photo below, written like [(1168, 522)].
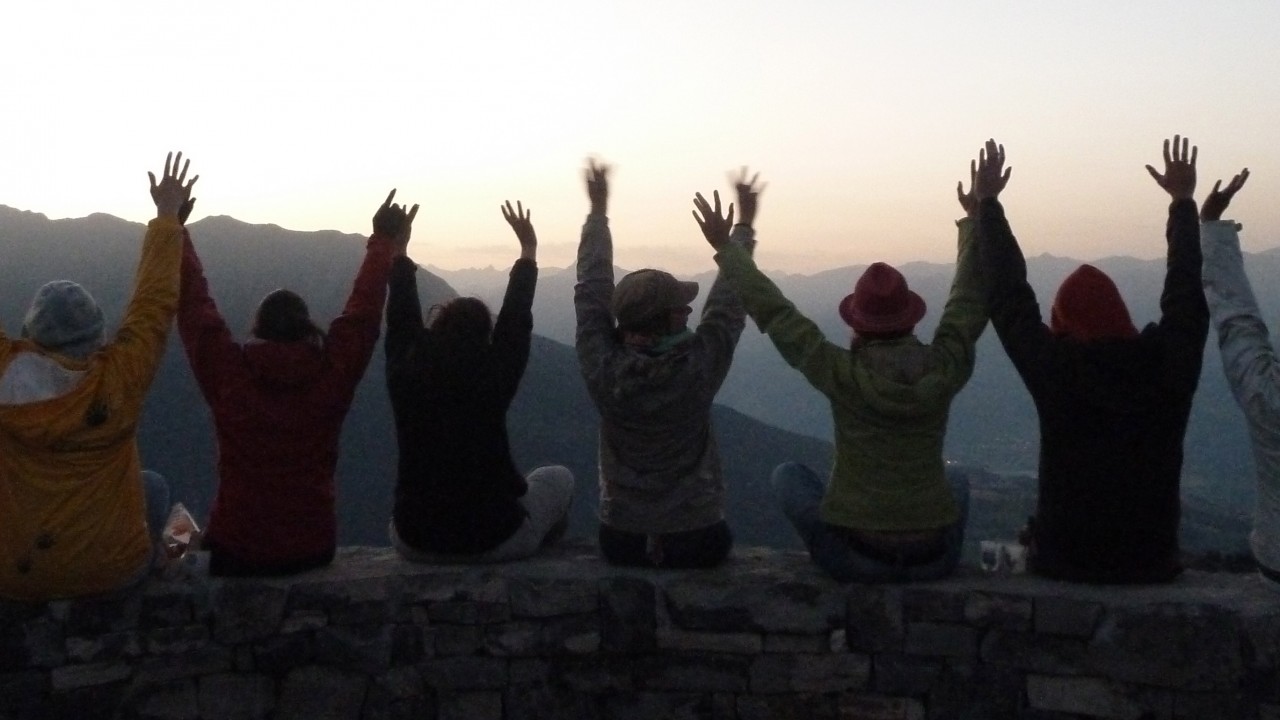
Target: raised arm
[(211, 349), (513, 329), (404, 313), (1248, 356), (139, 344), (354, 334), (1011, 302), (965, 315), (800, 342), (723, 315), (594, 290), (1184, 314)]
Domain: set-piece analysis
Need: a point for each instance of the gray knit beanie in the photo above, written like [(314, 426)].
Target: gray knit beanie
[(65, 318)]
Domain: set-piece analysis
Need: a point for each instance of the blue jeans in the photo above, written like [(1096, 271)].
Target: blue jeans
[(799, 492)]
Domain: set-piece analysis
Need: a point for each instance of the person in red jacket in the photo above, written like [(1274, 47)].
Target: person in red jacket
[(278, 401)]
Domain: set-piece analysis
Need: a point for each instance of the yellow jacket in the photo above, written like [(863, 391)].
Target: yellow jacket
[(72, 515)]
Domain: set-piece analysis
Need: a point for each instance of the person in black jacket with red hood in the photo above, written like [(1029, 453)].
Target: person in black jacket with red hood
[(458, 495), (1113, 401)]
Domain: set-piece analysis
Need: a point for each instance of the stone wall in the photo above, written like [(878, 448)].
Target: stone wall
[(566, 636)]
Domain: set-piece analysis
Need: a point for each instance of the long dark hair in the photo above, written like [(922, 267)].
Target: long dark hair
[(460, 336), (282, 316)]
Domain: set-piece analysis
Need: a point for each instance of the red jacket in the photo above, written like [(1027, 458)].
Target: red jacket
[(278, 410)]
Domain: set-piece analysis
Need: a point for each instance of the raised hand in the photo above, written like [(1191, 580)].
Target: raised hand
[(748, 195), (1218, 200), (990, 176), (518, 219), (184, 212), (1179, 178), (715, 226), (173, 190), (598, 186), (394, 222), (969, 200)]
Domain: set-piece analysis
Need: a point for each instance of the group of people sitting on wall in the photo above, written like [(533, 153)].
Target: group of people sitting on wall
[(79, 516)]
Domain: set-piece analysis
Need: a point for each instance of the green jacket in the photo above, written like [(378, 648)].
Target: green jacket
[(889, 398)]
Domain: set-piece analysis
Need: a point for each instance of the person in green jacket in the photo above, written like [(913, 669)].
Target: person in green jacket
[(893, 510)]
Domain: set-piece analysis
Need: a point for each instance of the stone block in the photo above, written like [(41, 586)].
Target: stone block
[(781, 643), (725, 602), (628, 615), (398, 695), (1152, 644), (825, 673), (1037, 653), (569, 634), (873, 620), (364, 649), (1067, 617), (23, 694), (167, 604), (70, 677), (789, 707), (279, 654), (469, 612), (236, 696), (933, 604), (470, 706), (550, 597), (595, 676), (455, 639), (94, 702), (547, 702), (87, 617), (247, 611), (1213, 706), (302, 620), (942, 639), (42, 644), (856, 706), (465, 673), (1094, 697), (112, 647), (408, 645), (1008, 612), (692, 672), (674, 706), (690, 640), (897, 674), (320, 692), (177, 639), (173, 700), (206, 660), (353, 601), (1261, 636)]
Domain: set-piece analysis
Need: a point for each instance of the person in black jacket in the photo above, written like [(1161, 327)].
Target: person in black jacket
[(1113, 402), (458, 494)]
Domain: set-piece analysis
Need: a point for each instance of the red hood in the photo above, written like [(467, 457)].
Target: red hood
[(1088, 307)]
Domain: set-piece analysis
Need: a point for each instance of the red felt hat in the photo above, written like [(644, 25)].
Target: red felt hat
[(881, 302)]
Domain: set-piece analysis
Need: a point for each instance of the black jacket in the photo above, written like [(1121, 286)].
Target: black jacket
[(1112, 414), (457, 488)]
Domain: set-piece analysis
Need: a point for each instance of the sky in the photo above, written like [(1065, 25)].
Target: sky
[(860, 116)]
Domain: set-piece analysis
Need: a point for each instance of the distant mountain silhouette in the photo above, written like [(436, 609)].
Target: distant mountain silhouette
[(552, 419)]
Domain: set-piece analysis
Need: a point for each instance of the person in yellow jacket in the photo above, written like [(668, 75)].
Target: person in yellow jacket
[(75, 506)]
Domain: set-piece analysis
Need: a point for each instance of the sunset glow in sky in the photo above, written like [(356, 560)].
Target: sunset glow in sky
[(861, 117)]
